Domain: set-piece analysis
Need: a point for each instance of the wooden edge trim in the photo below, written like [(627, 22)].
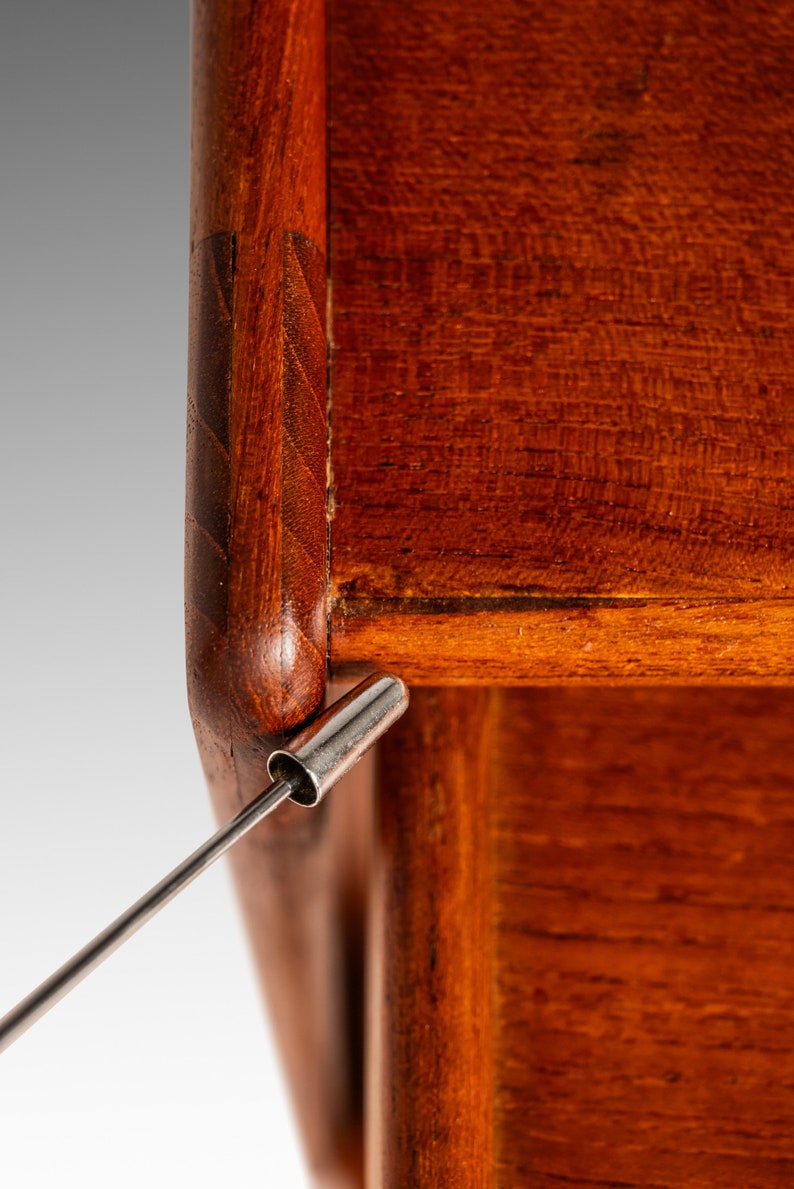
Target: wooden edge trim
[(207, 485), (259, 176), (548, 642), (429, 1070), (256, 551)]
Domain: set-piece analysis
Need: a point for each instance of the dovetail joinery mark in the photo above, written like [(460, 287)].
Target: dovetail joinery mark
[(298, 630), (303, 456), (209, 389)]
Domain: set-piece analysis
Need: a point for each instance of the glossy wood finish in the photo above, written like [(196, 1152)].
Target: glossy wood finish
[(644, 932), (583, 937), (562, 306), (207, 527), (259, 175), (430, 1066), (549, 641), (256, 536), (561, 259)]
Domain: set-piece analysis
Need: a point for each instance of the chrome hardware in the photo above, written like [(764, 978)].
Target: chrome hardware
[(305, 769)]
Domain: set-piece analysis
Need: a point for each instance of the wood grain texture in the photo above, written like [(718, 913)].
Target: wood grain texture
[(583, 935), (303, 512), (430, 1083), (259, 173), (559, 641), (562, 269), (257, 531), (207, 485), (644, 935), (562, 299)]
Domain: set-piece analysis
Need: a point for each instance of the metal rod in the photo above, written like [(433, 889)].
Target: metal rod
[(53, 989), (304, 769)]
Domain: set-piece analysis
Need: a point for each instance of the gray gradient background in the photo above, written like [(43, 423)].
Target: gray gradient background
[(158, 1069)]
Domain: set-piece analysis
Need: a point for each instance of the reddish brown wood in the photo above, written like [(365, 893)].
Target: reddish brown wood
[(303, 886), (207, 494), (259, 175), (430, 1076), (561, 250), (256, 551), (644, 916), (563, 318), (554, 641), (583, 938)]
